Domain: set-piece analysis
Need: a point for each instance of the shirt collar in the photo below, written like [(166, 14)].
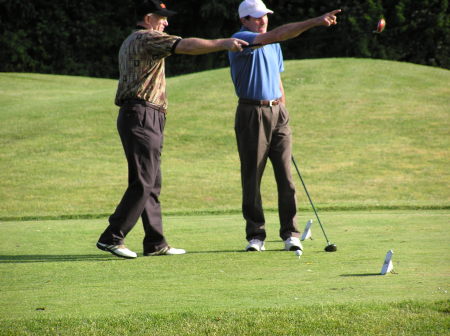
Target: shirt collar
[(243, 28)]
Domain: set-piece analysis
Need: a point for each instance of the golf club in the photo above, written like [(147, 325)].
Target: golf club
[(330, 247), (380, 27)]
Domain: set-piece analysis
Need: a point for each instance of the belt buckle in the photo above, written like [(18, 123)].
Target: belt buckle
[(271, 103)]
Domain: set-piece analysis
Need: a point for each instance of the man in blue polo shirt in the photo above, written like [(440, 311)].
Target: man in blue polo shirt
[(262, 121)]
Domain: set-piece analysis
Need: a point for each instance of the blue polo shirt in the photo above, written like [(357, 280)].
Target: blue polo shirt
[(256, 72)]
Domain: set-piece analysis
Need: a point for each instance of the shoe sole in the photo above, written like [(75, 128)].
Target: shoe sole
[(295, 248), (255, 249), (252, 249), (103, 248)]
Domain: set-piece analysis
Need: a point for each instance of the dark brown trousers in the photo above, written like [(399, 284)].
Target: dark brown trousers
[(141, 129), (263, 132)]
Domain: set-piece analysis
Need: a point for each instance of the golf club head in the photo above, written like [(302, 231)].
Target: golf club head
[(331, 248)]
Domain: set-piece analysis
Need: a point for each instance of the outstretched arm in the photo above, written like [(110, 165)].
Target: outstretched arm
[(198, 46), (291, 30)]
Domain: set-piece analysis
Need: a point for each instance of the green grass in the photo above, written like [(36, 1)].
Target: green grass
[(371, 139), (368, 134), (408, 318), (69, 285)]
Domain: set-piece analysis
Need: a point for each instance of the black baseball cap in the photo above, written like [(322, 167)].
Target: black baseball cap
[(153, 6)]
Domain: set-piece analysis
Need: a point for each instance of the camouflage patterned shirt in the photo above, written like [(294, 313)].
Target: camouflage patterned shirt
[(141, 66)]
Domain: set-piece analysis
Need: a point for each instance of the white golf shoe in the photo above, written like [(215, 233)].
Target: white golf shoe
[(175, 251), (255, 245), (118, 250), (165, 251), (293, 244)]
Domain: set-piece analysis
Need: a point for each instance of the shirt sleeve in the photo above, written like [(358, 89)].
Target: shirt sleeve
[(280, 58), (247, 36), (159, 44)]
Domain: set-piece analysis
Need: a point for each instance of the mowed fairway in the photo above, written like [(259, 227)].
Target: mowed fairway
[(64, 282), (372, 141)]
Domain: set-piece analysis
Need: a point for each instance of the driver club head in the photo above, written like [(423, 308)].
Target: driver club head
[(331, 248)]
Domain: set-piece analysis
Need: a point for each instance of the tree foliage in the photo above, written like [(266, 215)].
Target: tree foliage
[(83, 37)]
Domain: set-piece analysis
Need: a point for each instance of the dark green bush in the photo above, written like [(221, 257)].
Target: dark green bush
[(83, 37)]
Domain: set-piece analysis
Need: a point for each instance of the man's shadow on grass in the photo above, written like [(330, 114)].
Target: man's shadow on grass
[(36, 258), (360, 275), (215, 251), (44, 258)]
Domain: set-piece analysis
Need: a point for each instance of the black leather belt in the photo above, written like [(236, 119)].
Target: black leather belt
[(259, 102)]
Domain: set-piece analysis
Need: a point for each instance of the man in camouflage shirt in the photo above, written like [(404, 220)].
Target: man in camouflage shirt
[(141, 96)]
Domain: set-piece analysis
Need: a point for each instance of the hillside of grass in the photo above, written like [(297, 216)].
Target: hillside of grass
[(367, 134)]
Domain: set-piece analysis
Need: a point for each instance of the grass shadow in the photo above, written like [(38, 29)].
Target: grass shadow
[(360, 275), (36, 258), (215, 251), (244, 251)]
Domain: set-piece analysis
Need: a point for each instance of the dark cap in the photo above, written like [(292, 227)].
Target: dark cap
[(153, 6)]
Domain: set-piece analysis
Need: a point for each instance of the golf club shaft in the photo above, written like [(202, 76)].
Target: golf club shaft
[(309, 198)]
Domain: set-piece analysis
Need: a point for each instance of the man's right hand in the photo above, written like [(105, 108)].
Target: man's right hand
[(329, 19), (234, 44)]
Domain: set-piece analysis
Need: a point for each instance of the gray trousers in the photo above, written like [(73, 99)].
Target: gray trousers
[(263, 132), (141, 129)]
